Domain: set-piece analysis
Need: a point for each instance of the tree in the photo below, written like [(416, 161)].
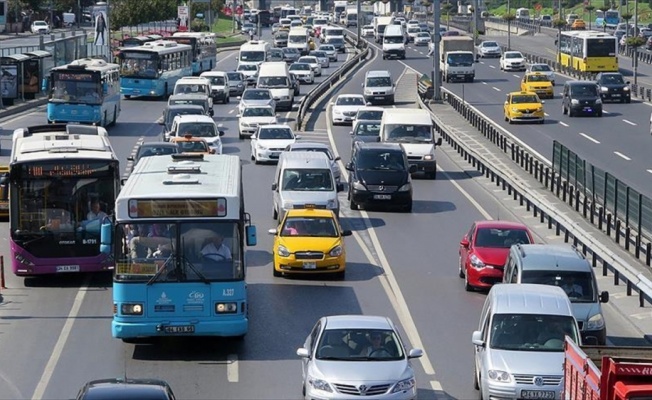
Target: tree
[(590, 9), (635, 41), (130, 12)]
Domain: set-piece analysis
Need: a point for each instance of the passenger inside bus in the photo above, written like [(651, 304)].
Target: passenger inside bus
[(147, 239)]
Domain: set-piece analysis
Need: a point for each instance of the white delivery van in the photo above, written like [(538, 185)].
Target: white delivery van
[(253, 52), (298, 38), (413, 129), (304, 177), (194, 85), (394, 42), (275, 76)]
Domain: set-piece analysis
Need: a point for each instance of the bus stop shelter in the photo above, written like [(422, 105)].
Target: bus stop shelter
[(11, 77), (39, 65)]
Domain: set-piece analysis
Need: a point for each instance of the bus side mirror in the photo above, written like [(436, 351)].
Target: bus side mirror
[(105, 87), (106, 237), (44, 84), (251, 235)]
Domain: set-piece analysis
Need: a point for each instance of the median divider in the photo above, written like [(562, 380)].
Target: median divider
[(566, 224), (323, 87)]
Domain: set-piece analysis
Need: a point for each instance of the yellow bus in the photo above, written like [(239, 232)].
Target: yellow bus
[(4, 191), (588, 51)]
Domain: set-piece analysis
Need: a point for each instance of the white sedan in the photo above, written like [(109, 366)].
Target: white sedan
[(303, 72), (40, 27), (543, 69), (330, 50), (345, 108), (512, 61), (422, 39), (270, 141), (367, 30), (253, 117), (314, 63), (322, 57)]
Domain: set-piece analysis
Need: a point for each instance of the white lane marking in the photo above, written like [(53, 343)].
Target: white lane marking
[(563, 124), (605, 112), (470, 198), (590, 138), (495, 88), (649, 170), (515, 76), (232, 368), (231, 54), (629, 122), (484, 83), (61, 341), (387, 280), (481, 62), (421, 52), (231, 111), (546, 114), (491, 66), (621, 155)]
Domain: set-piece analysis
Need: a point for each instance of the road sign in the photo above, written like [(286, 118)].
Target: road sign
[(538, 7), (238, 10)]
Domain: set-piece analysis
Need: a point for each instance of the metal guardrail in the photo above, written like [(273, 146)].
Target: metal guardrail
[(545, 173), (326, 84)]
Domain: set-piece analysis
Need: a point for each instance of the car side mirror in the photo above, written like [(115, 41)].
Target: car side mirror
[(303, 353), (272, 231), (212, 151), (464, 243), (274, 186), (351, 133), (338, 158), (240, 115), (239, 97), (543, 102), (506, 103), (627, 83), (297, 137), (130, 158), (160, 121), (604, 297), (439, 142), (368, 103), (220, 133), (476, 339), (340, 187), (253, 136), (412, 169), (415, 353), (347, 233), (349, 166)]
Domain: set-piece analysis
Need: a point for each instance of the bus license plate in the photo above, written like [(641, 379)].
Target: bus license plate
[(382, 196), (537, 394), (309, 265), (180, 329), (67, 268)]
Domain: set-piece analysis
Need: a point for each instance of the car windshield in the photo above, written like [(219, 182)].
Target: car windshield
[(273, 81), (282, 35), (300, 67), (309, 179), (370, 115), (336, 40), (149, 150), (513, 55), (198, 102), (189, 88), (489, 44), (584, 90), (423, 34), (525, 99), (350, 101), (538, 78), (256, 95), (309, 226), (414, 29), (290, 50), (393, 39), (216, 80), (247, 67), (192, 146), (258, 112), (173, 113), (382, 81), (197, 129), (381, 160), (367, 129), (319, 54), (540, 68), (275, 134), (577, 285), (326, 47), (309, 60), (315, 149), (531, 332), (613, 79), (234, 76), (359, 345), (500, 238), (408, 133)]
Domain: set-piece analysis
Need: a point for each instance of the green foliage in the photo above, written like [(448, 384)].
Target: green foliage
[(635, 41), (509, 16), (559, 23), (626, 16), (589, 8), (198, 25), (133, 12)]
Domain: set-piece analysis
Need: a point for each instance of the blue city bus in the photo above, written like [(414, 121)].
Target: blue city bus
[(153, 68), (85, 91), (204, 49), (136, 41), (179, 241), (610, 18)]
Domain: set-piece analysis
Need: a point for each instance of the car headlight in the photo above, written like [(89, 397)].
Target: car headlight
[(604, 89), (499, 376), (575, 101), (476, 262), (244, 124), (598, 101), (331, 204), (131, 309), (283, 251), (515, 110), (405, 188), (226, 308), (335, 251), (358, 186), (336, 111), (320, 384), (626, 89), (429, 157), (595, 322), (405, 384)]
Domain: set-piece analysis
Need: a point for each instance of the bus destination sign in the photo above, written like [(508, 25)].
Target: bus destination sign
[(65, 169), (72, 76), (177, 208)]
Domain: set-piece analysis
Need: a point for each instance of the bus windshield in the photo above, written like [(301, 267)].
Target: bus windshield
[(76, 87), (178, 252), (601, 47), (252, 56), (59, 206), (138, 64)]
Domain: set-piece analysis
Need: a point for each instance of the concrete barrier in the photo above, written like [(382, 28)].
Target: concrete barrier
[(503, 28)]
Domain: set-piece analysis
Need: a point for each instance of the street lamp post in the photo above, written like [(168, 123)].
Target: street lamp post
[(635, 58), (436, 81), (509, 26)]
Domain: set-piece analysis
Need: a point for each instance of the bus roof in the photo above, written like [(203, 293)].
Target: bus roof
[(60, 141), (255, 45), (588, 34), (159, 46), (88, 64), (167, 178)]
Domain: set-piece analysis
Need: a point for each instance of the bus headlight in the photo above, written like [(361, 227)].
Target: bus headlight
[(226, 308), (21, 259), (131, 309)]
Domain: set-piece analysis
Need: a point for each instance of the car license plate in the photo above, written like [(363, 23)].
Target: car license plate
[(67, 268), (180, 329), (379, 97), (309, 265), (274, 155), (382, 196), (616, 95), (537, 394)]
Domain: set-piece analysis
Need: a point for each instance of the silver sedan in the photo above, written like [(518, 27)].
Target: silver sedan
[(324, 61)]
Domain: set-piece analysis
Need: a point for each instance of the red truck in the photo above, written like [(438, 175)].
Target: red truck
[(607, 373)]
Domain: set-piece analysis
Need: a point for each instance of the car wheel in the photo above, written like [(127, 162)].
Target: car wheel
[(563, 110), (467, 285), (407, 208), (253, 158), (598, 114), (460, 270), (476, 383), (274, 214), (352, 204), (276, 273)]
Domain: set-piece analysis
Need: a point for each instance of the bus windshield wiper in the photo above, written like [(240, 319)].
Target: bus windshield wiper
[(161, 270), (195, 270)]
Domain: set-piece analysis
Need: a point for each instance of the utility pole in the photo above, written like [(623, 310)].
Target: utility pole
[(436, 78), (509, 26), (476, 24), (635, 58), (109, 56), (358, 27)]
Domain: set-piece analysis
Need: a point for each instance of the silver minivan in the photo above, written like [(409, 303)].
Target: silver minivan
[(519, 344), (566, 267), (304, 178)]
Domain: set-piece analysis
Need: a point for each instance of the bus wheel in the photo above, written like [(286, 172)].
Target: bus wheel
[(115, 116), (127, 96)]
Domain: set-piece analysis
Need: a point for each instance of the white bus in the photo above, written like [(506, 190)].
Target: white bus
[(63, 180), (253, 52)]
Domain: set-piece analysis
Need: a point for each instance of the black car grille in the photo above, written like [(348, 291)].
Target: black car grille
[(362, 390), (309, 255), (382, 188), (414, 158)]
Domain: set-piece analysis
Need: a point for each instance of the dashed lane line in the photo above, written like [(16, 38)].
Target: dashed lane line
[(621, 155), (563, 124), (629, 122), (496, 89), (589, 138)]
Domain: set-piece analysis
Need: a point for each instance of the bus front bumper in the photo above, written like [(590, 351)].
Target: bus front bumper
[(132, 330)]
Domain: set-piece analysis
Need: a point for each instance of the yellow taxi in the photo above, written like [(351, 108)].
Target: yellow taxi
[(523, 107), (309, 241), (538, 83), (189, 144), (4, 191), (578, 24)]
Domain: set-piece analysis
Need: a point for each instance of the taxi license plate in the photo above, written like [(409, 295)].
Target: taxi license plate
[(382, 196), (537, 394), (379, 97), (309, 265), (274, 155), (67, 268), (180, 329)]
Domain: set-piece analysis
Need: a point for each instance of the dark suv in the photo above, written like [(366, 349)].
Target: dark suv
[(380, 175), (581, 97), (152, 389), (613, 87)]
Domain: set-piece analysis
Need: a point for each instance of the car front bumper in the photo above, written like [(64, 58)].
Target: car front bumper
[(268, 155), (290, 265), (365, 197)]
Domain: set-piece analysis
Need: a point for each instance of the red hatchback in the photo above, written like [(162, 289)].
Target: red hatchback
[(484, 249)]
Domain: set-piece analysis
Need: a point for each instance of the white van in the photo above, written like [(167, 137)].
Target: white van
[(304, 177), (253, 52), (519, 344), (394, 42), (298, 38), (275, 76), (194, 85), (523, 14), (220, 89), (413, 129)]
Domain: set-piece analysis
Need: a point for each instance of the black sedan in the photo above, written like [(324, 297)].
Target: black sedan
[(614, 87), (151, 389)]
